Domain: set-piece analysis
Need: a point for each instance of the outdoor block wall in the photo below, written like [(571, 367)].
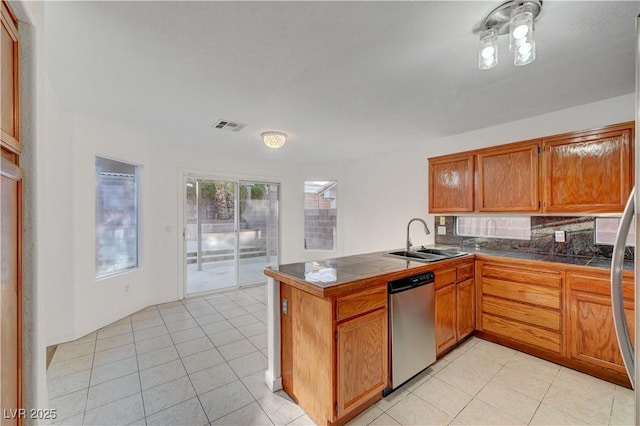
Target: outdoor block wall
[(320, 229)]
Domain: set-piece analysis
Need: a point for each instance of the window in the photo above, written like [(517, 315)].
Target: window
[(607, 229), (116, 217), (320, 215), (514, 228)]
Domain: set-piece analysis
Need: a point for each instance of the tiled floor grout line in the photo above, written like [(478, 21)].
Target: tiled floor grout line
[(473, 397), (204, 410), (544, 396), (239, 378), (135, 349), (86, 400), (183, 366)]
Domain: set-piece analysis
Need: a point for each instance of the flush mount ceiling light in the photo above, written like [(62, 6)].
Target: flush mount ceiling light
[(515, 18), (274, 139)]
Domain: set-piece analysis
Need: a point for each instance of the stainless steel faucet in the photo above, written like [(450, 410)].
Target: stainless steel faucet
[(426, 230)]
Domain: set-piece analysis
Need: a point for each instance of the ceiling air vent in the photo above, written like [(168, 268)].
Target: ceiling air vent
[(229, 125)]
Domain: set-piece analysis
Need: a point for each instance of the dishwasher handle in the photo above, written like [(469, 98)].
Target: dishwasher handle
[(393, 290)]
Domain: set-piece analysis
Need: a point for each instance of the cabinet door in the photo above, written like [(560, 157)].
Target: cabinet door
[(589, 171), (465, 299), (445, 318), (10, 105), (592, 337), (451, 184), (508, 178), (362, 359)]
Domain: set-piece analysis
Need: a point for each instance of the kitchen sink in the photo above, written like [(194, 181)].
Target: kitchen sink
[(441, 252), (425, 254), (414, 255)]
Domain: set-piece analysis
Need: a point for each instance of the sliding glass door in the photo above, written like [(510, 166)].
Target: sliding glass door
[(231, 232), (258, 237)]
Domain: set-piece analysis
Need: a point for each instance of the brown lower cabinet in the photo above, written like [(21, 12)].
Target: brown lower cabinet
[(334, 351), (521, 303), (335, 348), (455, 305), (558, 312), (592, 340)]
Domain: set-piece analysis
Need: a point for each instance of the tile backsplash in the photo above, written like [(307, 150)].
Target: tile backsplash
[(580, 237)]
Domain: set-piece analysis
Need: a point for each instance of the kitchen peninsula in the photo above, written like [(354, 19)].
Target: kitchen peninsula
[(328, 341)]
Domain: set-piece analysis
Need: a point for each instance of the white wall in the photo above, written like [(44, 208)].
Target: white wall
[(81, 303)]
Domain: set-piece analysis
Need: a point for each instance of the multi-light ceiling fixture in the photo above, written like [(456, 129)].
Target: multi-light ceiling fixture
[(516, 18), (274, 139)]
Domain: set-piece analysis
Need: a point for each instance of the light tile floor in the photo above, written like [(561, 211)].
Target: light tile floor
[(201, 361), (222, 274)]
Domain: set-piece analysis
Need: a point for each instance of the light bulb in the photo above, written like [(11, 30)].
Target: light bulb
[(525, 48), (525, 54), (488, 52), (520, 31), (520, 27)]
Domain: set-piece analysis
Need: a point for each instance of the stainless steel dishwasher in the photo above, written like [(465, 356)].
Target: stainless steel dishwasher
[(412, 335)]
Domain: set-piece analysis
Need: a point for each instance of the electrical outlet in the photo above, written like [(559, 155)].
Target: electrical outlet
[(559, 236), (285, 306), (442, 230), (443, 221), (126, 288)]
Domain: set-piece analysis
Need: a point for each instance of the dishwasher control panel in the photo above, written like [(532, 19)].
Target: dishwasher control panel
[(411, 282)]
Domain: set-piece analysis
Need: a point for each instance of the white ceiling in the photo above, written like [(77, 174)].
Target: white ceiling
[(343, 79)]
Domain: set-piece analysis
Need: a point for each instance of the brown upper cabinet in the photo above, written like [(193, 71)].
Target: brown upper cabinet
[(9, 80), (588, 171), (451, 184), (581, 172), (507, 179)]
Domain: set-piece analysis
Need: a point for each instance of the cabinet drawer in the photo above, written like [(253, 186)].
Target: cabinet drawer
[(444, 277), (525, 276), (464, 271), (598, 284), (523, 313), (527, 334), (526, 293), (360, 303)]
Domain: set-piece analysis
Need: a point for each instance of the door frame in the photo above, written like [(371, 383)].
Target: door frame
[(184, 173), (15, 173)]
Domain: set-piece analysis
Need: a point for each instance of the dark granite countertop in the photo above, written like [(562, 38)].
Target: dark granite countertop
[(595, 262), (327, 273), (345, 269)]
